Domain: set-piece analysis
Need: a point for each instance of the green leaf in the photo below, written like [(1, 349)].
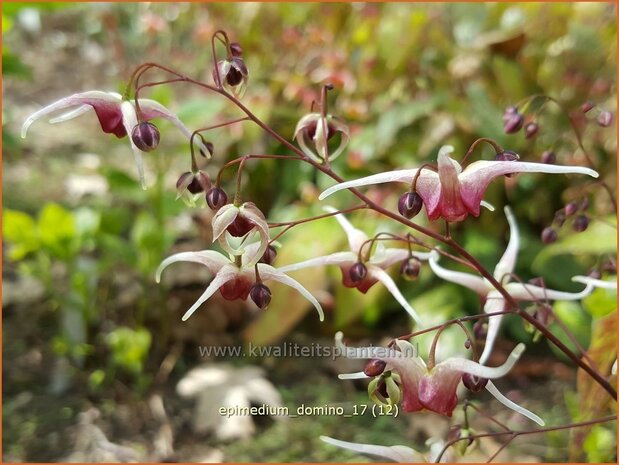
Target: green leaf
[(19, 230), (129, 347), (57, 232)]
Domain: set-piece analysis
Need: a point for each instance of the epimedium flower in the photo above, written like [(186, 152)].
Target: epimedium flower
[(191, 185), (316, 130), (374, 266), (237, 277), (233, 75), (431, 386), (239, 221), (117, 116), (452, 193), (494, 301)]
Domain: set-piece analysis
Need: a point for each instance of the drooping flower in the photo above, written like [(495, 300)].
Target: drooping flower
[(453, 193), (432, 388), (232, 221), (375, 265), (316, 130), (235, 276), (399, 454), (192, 185), (494, 301), (116, 115), (233, 74)]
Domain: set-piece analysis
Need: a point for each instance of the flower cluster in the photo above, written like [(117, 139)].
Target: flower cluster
[(398, 375)]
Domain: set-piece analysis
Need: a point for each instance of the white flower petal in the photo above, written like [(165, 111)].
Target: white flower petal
[(530, 292), (344, 137), (399, 454), (487, 205), (337, 258), (507, 263), (214, 261), (222, 277), (468, 366), (71, 114), (475, 283), (596, 282), (268, 272), (224, 217), (357, 375), (405, 176), (386, 280), (492, 389), (355, 236), (67, 102), (494, 323)]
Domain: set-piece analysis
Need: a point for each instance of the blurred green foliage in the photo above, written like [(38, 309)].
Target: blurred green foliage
[(408, 78)]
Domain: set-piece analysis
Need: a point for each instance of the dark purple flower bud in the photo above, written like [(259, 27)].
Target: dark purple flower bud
[(269, 255), (374, 368), (531, 129), (216, 198), (507, 155), (193, 182), (240, 226), (474, 383), (581, 222), (513, 124), (571, 208), (145, 136), (509, 112), (382, 389), (549, 235), (260, 295), (586, 107), (467, 344), (210, 147), (358, 272), (409, 269), (549, 157), (235, 49), (410, 204), (605, 118)]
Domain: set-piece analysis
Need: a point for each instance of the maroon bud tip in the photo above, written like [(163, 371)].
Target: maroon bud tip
[(358, 272), (234, 77), (409, 269), (513, 124), (145, 136), (507, 155), (210, 147), (374, 367), (605, 118), (509, 112), (216, 198), (549, 235), (570, 208), (581, 222), (240, 226), (183, 178), (260, 295), (474, 383), (409, 204), (586, 107), (549, 157), (467, 344), (531, 129), (235, 49), (269, 255)]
